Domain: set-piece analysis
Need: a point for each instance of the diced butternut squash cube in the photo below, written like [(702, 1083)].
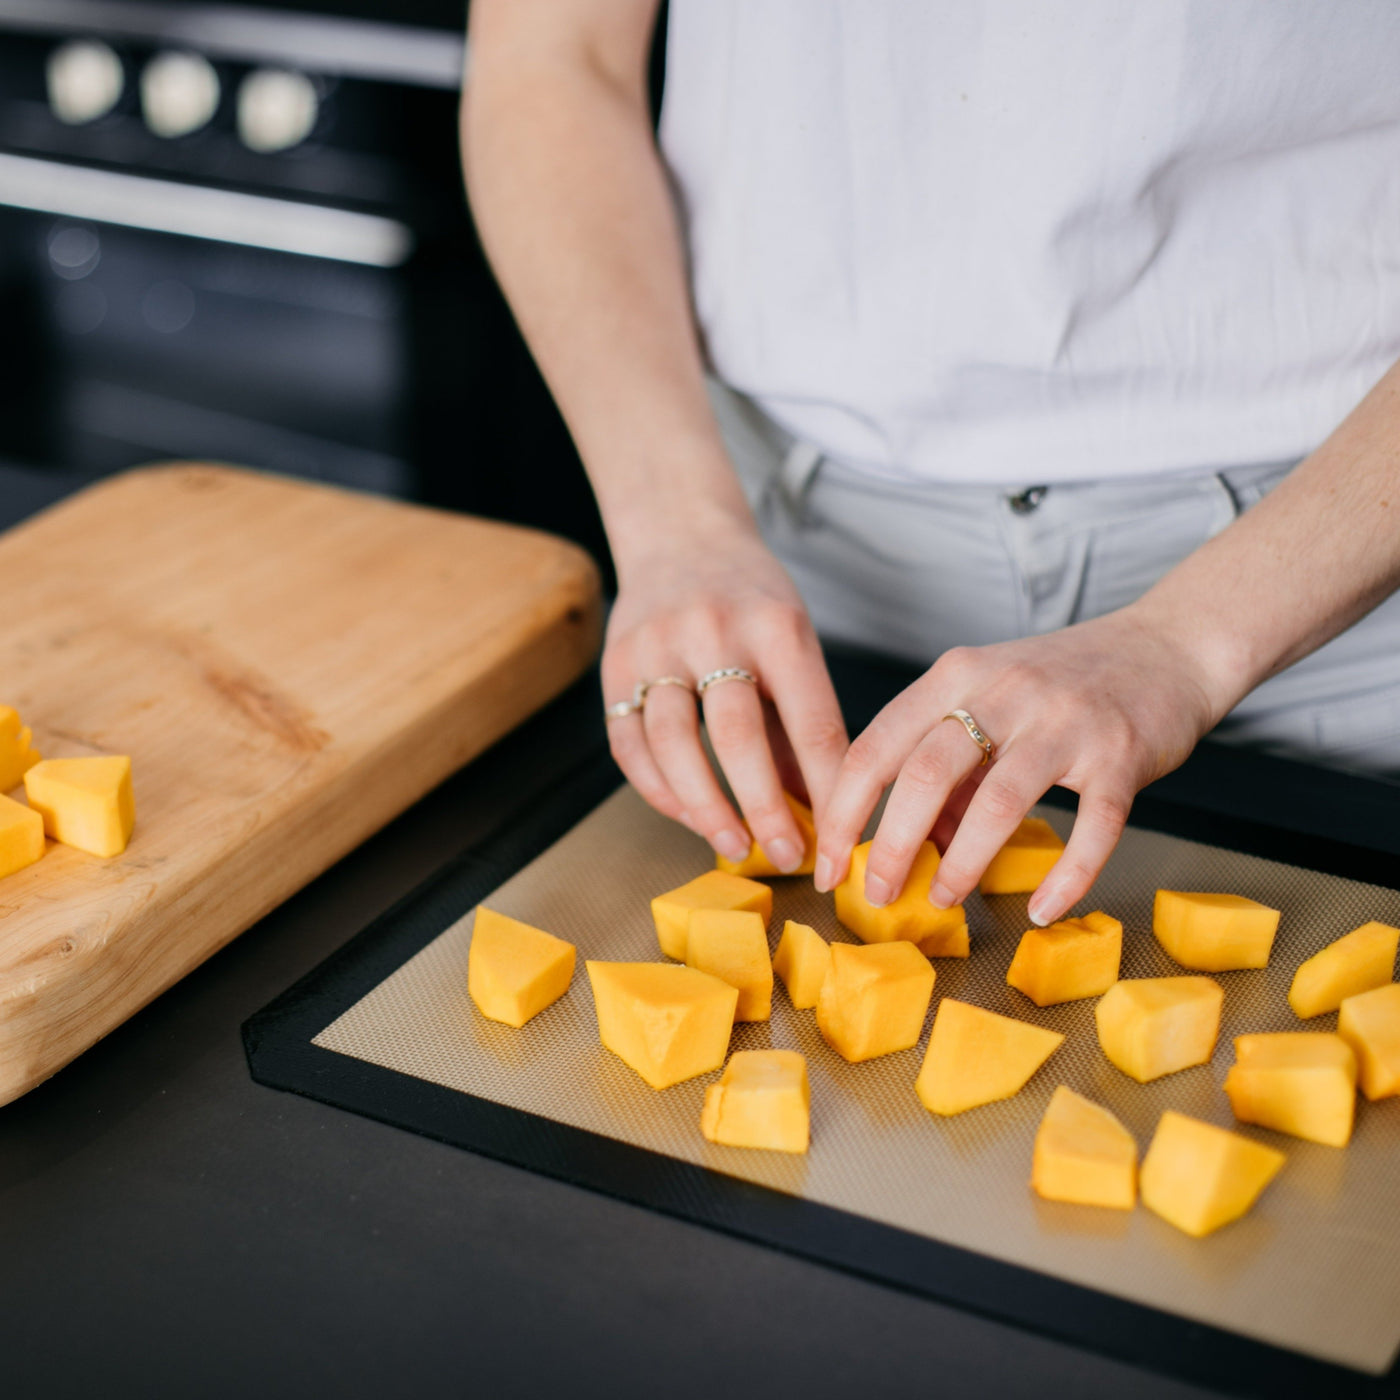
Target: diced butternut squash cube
[(85, 802), (21, 836), (713, 890), (1354, 963), (1200, 1177), (17, 753), (1084, 1155), (756, 865), (732, 944), (515, 970), (1024, 861), (1069, 960), (668, 1023), (1298, 1082), (1151, 1026), (874, 999), (1214, 932), (802, 961), (976, 1057), (1370, 1023), (762, 1100), (939, 933)]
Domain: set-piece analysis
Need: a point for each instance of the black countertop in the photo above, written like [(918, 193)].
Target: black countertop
[(172, 1229)]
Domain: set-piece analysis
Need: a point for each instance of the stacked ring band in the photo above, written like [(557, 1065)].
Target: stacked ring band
[(622, 708), (975, 733), (725, 673)]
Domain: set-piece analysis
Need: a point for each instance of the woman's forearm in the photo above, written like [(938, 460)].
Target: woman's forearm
[(1319, 552), (573, 208)]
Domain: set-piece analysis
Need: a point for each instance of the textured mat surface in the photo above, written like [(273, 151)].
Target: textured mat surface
[(1314, 1268)]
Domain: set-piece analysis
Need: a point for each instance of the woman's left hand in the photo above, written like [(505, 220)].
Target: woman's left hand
[(1101, 708)]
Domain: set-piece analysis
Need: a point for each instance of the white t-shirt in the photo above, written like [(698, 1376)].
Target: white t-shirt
[(1022, 241)]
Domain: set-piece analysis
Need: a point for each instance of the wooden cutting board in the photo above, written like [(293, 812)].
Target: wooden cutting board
[(289, 666)]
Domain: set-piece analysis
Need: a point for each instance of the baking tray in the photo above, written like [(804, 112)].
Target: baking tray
[(1305, 1290)]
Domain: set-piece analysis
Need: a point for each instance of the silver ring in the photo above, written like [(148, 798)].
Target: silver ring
[(725, 673)]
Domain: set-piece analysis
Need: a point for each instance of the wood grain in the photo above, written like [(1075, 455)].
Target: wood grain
[(289, 667)]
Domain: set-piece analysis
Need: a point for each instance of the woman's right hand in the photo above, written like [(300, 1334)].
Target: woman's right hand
[(712, 598)]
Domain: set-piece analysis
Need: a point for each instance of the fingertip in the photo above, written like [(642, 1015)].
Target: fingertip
[(827, 874)]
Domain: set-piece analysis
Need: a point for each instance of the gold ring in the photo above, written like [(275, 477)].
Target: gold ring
[(974, 732), (681, 681), (725, 673), (623, 708)]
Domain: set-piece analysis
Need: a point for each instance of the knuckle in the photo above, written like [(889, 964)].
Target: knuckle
[(731, 728), (927, 771), (1002, 803), (863, 758), (821, 736), (668, 730)]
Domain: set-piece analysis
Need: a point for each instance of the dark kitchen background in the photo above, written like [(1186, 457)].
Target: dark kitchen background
[(237, 232)]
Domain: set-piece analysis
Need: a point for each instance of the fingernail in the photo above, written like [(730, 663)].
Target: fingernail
[(877, 891), (824, 877), (1044, 908), (732, 844), (940, 896), (784, 854)]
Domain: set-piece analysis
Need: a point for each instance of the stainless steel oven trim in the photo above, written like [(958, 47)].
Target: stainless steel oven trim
[(200, 211), (316, 43)]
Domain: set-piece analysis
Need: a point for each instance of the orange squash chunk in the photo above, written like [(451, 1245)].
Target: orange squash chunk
[(85, 802), (732, 944), (976, 1057), (1298, 1082), (1214, 932), (1370, 1023), (802, 961), (1024, 861), (1200, 1177), (712, 890), (1151, 1026), (757, 865), (668, 1023), (515, 970), (21, 836), (1069, 960), (910, 918), (874, 999), (17, 753), (1354, 963), (762, 1100), (1084, 1155)]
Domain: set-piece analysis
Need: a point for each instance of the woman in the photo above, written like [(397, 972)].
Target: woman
[(1052, 344)]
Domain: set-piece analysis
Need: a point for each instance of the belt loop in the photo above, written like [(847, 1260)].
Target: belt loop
[(797, 473)]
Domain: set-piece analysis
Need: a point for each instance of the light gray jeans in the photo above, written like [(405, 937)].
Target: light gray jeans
[(911, 570)]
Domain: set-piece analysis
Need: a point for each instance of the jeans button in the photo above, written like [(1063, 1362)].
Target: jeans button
[(1024, 502)]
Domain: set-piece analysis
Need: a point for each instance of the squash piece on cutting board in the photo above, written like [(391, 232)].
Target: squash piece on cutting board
[(1151, 1026), (713, 890), (874, 999), (21, 836), (1214, 932), (1068, 960), (1354, 963), (85, 802), (976, 1057), (17, 752), (515, 970), (1297, 1082), (1370, 1023), (1024, 861), (909, 918), (802, 961), (756, 865), (1200, 1177), (732, 944), (1083, 1154), (762, 1100), (667, 1022)]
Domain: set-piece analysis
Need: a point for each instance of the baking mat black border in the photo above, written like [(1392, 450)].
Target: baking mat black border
[(278, 1043)]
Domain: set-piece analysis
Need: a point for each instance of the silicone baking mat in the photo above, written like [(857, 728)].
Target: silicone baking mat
[(1315, 1268)]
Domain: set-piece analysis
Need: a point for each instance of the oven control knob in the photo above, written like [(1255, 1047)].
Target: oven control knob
[(179, 93), (85, 81), (277, 109)]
